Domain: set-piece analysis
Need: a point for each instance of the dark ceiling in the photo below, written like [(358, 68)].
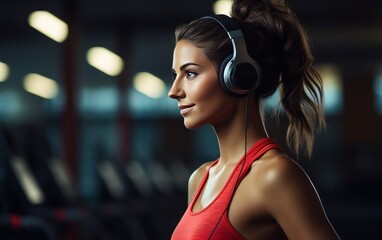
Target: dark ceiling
[(346, 32), (317, 13)]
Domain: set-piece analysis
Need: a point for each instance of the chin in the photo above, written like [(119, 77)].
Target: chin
[(192, 125)]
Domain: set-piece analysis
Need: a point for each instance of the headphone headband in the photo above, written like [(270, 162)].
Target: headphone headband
[(239, 72), (228, 24)]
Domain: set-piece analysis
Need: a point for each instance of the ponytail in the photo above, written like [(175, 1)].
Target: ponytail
[(283, 52)]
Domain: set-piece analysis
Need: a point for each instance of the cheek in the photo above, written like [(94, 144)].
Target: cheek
[(206, 89), (210, 98)]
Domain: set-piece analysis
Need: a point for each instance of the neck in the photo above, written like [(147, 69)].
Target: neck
[(232, 134)]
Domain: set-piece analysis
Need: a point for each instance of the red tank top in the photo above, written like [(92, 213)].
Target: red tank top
[(205, 224)]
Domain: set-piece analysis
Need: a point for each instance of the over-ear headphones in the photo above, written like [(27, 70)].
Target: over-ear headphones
[(239, 72)]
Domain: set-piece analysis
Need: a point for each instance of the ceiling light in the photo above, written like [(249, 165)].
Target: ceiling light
[(4, 72), (40, 85), (49, 25), (105, 60), (149, 84), (223, 7)]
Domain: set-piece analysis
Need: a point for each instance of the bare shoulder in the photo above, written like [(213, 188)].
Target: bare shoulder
[(288, 195), (278, 170), (195, 179), (278, 176), (198, 174)]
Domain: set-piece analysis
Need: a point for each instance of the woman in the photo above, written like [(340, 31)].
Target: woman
[(254, 190)]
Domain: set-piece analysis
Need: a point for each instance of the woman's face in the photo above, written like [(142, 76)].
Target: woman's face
[(196, 88)]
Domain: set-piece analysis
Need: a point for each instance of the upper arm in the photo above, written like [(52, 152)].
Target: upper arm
[(195, 179), (293, 202)]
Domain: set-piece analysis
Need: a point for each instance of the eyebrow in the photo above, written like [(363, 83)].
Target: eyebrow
[(186, 65)]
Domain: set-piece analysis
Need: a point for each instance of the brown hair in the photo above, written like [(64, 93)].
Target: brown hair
[(278, 42)]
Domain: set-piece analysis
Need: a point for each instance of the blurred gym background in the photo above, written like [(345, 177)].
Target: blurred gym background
[(92, 148)]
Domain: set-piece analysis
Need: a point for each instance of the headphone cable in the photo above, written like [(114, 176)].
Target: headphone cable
[(242, 162)]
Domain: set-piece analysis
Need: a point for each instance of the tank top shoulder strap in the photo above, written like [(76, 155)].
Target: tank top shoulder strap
[(259, 149)]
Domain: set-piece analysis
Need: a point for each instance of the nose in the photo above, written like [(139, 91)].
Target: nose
[(176, 91)]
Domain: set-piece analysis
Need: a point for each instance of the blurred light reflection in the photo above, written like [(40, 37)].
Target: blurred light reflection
[(40, 85), (333, 92), (222, 7), (49, 25), (149, 85), (4, 71), (105, 61)]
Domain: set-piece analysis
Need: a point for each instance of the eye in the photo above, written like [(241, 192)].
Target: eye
[(190, 75)]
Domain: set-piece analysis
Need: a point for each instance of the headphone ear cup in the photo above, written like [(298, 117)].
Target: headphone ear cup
[(221, 76), (242, 76), (245, 75)]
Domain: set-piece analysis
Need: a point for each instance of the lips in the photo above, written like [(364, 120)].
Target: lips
[(184, 109)]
